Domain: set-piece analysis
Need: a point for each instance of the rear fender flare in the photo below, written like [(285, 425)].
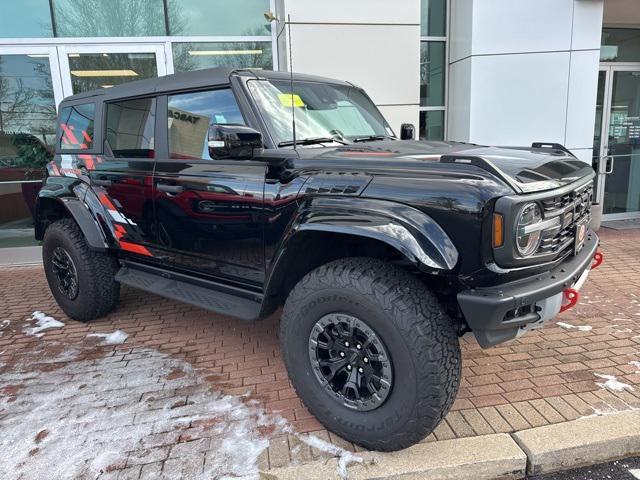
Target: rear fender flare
[(70, 194)]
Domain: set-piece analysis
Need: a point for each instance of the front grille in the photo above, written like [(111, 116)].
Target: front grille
[(572, 208)]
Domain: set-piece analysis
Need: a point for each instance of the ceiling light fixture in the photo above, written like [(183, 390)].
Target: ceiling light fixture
[(224, 52), (103, 73)]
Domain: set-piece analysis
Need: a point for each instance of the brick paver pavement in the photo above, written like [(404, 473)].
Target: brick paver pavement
[(183, 358)]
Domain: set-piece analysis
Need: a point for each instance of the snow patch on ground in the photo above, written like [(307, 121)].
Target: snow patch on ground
[(636, 364), (612, 383), (568, 326), (100, 416), (345, 457), (43, 323), (116, 338)]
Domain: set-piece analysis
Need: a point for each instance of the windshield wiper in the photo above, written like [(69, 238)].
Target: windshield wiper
[(369, 138), (312, 141)]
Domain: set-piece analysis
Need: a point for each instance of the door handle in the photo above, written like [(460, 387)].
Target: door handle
[(102, 183), (163, 187), (609, 165)]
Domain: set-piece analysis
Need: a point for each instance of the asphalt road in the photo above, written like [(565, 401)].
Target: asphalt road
[(627, 469)]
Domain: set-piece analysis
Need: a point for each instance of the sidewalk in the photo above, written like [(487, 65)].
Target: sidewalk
[(181, 358)]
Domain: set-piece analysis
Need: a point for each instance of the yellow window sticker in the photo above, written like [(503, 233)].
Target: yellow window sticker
[(286, 99)]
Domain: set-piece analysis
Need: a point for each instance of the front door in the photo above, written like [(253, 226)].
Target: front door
[(208, 210), (617, 142)]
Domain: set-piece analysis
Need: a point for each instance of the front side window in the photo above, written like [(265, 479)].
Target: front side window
[(189, 117), (76, 123), (322, 110), (130, 128)]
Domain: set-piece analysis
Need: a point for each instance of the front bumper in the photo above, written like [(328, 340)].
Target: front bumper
[(489, 311)]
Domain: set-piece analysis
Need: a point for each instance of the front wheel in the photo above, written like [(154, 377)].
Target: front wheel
[(81, 280), (371, 352)]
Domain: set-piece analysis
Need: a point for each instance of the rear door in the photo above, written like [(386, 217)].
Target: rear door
[(122, 175), (208, 210)]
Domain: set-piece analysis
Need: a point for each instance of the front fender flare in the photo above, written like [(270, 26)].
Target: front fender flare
[(412, 232)]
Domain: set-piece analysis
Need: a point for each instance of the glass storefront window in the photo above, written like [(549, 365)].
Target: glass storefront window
[(26, 19), (196, 56), (431, 125), (112, 18), (27, 135), (620, 45), (432, 74), (433, 18), (90, 71), (218, 17)]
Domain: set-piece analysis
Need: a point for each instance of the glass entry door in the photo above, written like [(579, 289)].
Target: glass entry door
[(30, 89), (90, 67), (617, 141)]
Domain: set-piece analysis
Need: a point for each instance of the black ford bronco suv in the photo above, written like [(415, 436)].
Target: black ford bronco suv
[(382, 250)]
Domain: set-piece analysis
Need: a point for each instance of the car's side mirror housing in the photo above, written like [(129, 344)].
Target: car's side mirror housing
[(233, 141), (407, 131)]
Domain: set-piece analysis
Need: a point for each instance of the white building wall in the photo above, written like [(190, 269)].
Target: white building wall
[(374, 44), (524, 71)]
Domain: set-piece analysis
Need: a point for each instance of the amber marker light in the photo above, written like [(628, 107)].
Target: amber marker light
[(498, 230)]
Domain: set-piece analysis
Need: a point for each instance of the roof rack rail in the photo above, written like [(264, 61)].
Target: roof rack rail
[(552, 146)]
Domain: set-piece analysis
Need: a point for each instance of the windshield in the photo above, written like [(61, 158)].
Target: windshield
[(322, 111)]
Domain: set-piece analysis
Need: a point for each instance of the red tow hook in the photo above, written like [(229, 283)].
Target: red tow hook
[(572, 297), (598, 258)]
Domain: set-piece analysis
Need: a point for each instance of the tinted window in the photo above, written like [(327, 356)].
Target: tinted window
[(199, 55), (76, 123), (218, 17), (113, 18), (130, 128), (190, 115), (27, 18)]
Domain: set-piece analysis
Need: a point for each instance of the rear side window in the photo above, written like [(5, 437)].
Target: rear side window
[(130, 128), (190, 115), (76, 123)]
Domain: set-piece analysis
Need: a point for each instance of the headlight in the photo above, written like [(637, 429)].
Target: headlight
[(528, 233)]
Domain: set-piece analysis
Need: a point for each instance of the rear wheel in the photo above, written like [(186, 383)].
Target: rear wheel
[(81, 280), (370, 352)]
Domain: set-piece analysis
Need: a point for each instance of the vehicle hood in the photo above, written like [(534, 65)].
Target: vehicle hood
[(524, 169)]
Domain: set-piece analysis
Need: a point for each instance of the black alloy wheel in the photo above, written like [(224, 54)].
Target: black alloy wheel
[(65, 272), (350, 361)]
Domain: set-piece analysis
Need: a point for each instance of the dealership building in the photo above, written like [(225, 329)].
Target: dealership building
[(494, 72)]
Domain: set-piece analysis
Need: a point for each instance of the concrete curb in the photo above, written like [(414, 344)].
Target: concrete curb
[(475, 458), (580, 442), (535, 451)]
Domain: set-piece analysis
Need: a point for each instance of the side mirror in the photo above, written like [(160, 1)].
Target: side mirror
[(233, 141), (407, 131)]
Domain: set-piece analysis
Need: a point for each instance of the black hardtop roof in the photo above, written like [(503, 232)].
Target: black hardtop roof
[(209, 77)]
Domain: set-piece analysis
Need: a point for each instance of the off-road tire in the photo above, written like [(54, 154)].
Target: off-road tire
[(419, 337), (98, 292)]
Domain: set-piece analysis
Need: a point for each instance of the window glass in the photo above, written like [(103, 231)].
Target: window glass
[(130, 128), (27, 116), (196, 56), (620, 45), (189, 117), (433, 18), (218, 17), (27, 137), (76, 123), (27, 18), (90, 71), (321, 110), (432, 125), (112, 18), (432, 76)]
